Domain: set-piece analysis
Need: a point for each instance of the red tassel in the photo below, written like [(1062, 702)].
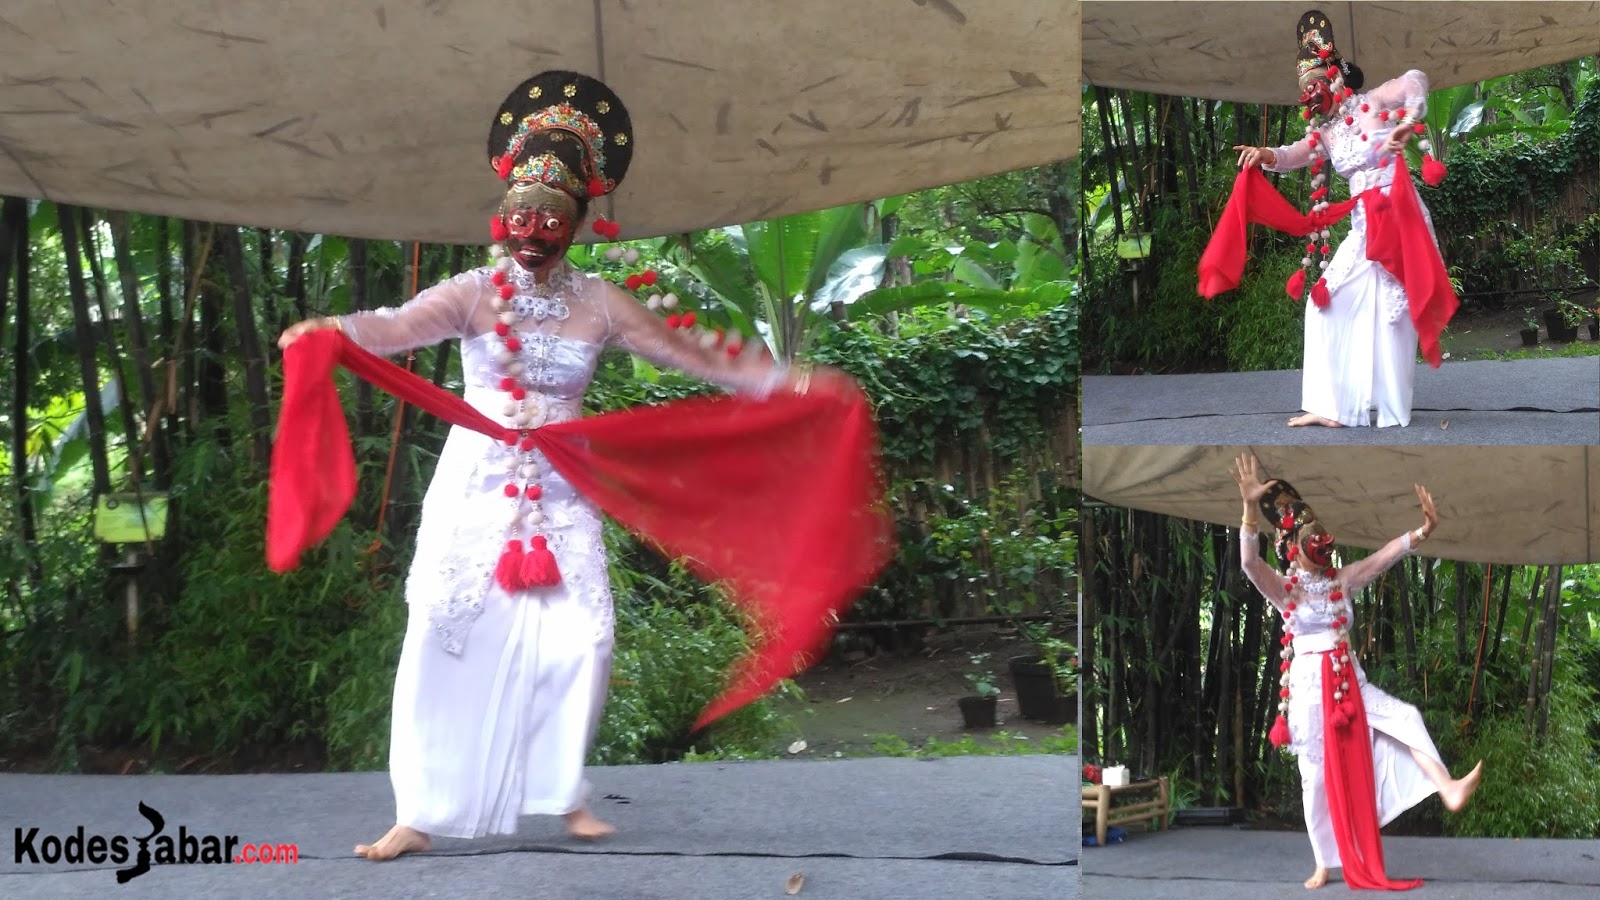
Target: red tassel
[(1340, 717), (1296, 288), (1319, 293), (503, 166), (597, 188), (539, 565), (1433, 171), (508, 572), (1279, 736), (498, 229)]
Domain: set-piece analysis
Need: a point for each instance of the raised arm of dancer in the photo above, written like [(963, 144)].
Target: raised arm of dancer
[(1246, 473), (437, 314), (1362, 572), (632, 327), (1408, 92)]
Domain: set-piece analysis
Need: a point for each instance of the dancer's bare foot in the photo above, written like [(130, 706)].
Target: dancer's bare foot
[(1456, 793), (400, 839), (582, 825), (1313, 419), (1317, 879)]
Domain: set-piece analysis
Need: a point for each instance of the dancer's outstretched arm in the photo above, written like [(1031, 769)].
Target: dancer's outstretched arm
[(439, 313), (1246, 473), (752, 371), (1362, 572)]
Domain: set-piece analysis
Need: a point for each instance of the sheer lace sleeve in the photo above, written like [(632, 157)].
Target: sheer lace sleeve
[(437, 314), (1408, 92), (1257, 570), (1290, 157), (633, 328), (1362, 572)]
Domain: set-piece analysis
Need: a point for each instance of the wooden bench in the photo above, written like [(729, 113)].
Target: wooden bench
[(1111, 806)]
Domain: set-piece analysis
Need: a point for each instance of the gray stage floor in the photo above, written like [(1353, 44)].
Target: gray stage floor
[(1234, 864), (869, 828), (1512, 402)]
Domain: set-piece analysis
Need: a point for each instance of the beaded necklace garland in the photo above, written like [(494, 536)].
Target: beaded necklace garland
[(1309, 583), (569, 135), (1341, 124), (1300, 533)]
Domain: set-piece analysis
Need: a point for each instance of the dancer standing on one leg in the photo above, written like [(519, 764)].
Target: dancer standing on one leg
[(497, 725), (1362, 328), (1365, 757)]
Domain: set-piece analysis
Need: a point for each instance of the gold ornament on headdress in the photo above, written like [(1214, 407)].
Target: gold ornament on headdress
[(538, 195)]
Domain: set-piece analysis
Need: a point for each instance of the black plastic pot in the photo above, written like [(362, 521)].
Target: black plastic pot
[(1037, 696), (977, 712), (1594, 331), (1530, 337), (1556, 324)]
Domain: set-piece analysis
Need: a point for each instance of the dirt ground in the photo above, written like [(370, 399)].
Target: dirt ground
[(855, 696), (1484, 335)]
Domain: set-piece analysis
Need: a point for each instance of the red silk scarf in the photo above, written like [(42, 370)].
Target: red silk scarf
[(780, 500), (1397, 239), (1352, 789)]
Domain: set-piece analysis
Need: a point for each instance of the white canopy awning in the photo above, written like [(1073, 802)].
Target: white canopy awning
[(1503, 504), (371, 120), (1245, 52)]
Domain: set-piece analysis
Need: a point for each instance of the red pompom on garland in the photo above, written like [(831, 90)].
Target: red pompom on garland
[(508, 571), (506, 291), (634, 282), (1319, 293), (539, 564), (597, 188), (1280, 731), (1433, 171)]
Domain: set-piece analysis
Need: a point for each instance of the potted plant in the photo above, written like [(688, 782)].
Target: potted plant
[(1047, 681), (978, 709), (1594, 324), (1530, 329)]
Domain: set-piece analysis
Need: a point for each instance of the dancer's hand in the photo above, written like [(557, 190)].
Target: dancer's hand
[(1397, 139), (1255, 156), (1430, 515), (1247, 474), (821, 380), (294, 331)]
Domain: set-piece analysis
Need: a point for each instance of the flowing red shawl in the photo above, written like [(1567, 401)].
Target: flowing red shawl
[(779, 500), (1397, 239), (1352, 788)]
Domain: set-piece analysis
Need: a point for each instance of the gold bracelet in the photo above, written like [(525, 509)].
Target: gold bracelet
[(333, 322), (1420, 536), (804, 384), (1247, 523)]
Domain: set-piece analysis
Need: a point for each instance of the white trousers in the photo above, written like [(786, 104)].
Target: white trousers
[(503, 730), (1395, 728), (1355, 357)]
